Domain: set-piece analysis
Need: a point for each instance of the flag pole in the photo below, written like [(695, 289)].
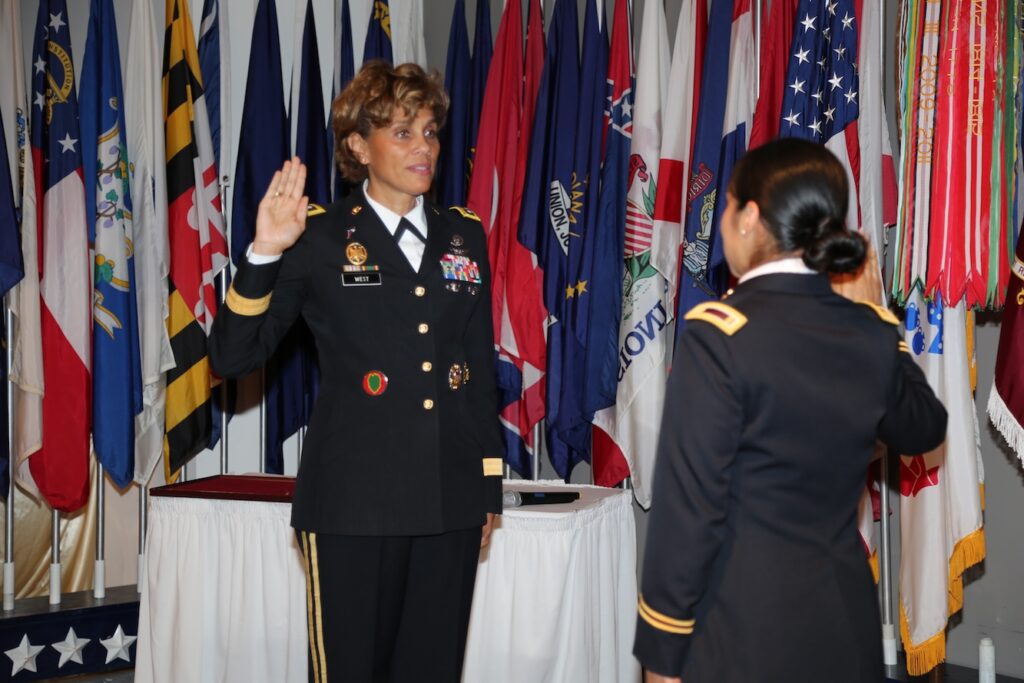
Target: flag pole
[(884, 540), (11, 457), (225, 182), (55, 559), (143, 507), (263, 420), (99, 580), (758, 10), (535, 458)]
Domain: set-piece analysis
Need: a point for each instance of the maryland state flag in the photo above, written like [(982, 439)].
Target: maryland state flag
[(198, 247)]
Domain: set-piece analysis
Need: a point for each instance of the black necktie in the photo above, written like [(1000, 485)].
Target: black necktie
[(405, 225)]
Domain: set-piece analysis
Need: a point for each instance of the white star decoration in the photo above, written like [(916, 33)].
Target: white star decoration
[(850, 97), (847, 21), (24, 656), (818, 95), (808, 23), (40, 65), (801, 55), (797, 86), (840, 52), (829, 114), (793, 119), (70, 648), (68, 143), (40, 101), (117, 645), (832, 8), (816, 127), (836, 81), (56, 22)]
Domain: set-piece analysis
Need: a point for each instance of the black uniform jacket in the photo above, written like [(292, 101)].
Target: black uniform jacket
[(753, 569), (404, 439)]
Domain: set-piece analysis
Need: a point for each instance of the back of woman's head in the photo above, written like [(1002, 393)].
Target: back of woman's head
[(802, 193)]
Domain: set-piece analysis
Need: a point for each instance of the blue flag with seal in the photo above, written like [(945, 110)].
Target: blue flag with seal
[(452, 171), (700, 278), (117, 371), (483, 50), (263, 143), (11, 266), (378, 33), (551, 206), (580, 310)]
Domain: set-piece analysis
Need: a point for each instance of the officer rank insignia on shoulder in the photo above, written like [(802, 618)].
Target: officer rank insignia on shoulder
[(883, 313), (315, 210), (724, 317), (465, 213)]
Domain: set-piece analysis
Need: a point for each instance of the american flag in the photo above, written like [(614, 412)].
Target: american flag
[(822, 85)]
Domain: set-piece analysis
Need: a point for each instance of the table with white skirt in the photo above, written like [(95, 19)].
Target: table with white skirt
[(224, 595)]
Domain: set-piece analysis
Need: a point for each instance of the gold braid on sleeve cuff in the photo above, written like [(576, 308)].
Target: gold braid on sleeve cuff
[(663, 622), (245, 306)]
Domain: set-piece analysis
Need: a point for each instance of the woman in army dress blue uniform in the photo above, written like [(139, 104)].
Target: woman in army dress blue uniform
[(401, 466), (753, 569)]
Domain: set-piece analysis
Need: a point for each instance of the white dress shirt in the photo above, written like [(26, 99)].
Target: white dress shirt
[(794, 265)]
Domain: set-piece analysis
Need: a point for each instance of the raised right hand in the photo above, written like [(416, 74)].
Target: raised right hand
[(281, 217)]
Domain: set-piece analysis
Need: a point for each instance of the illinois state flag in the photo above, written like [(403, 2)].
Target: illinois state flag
[(61, 467), (941, 521)]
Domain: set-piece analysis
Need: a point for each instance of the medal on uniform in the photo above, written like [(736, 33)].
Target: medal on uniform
[(460, 269), (355, 253), (375, 382), (349, 232), (356, 209), (455, 247), (455, 377)]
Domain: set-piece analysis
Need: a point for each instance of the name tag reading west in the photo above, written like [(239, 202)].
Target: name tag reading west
[(360, 279)]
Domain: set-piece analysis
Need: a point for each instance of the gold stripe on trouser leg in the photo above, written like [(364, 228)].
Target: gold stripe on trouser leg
[(309, 608), (317, 608)]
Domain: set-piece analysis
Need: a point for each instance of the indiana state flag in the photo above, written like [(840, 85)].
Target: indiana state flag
[(378, 33), (117, 372), (552, 209), (571, 426)]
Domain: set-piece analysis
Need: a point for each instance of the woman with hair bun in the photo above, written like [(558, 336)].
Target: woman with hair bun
[(754, 570), (400, 476)]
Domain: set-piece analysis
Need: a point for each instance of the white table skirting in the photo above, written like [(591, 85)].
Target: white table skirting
[(556, 594), (224, 596)]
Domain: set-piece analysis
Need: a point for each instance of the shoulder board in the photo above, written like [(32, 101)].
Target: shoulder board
[(724, 317), (883, 313), (315, 210), (465, 213)]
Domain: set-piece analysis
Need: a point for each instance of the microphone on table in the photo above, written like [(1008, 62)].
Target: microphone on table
[(513, 499)]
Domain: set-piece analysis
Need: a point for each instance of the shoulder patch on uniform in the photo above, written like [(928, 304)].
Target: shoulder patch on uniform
[(315, 210), (465, 213), (723, 316), (882, 312)]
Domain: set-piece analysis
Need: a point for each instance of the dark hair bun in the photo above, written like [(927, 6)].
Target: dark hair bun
[(837, 250)]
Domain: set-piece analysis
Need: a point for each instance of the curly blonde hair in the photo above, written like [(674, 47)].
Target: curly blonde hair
[(370, 99)]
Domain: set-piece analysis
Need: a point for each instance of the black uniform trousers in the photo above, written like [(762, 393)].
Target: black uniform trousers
[(389, 609)]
